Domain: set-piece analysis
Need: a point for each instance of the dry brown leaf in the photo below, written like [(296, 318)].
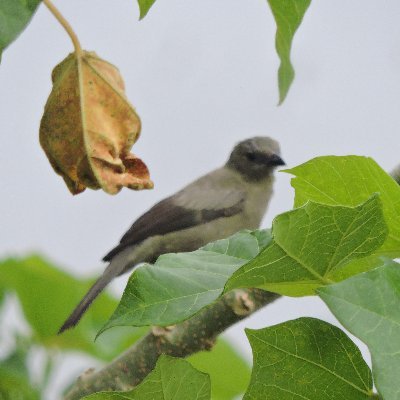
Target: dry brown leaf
[(89, 126)]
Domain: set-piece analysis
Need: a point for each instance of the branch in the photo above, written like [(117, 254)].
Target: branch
[(193, 335)]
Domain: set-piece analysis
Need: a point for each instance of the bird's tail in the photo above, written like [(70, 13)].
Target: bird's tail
[(84, 304), (118, 265)]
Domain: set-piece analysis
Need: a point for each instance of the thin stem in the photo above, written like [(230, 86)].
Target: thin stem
[(65, 24)]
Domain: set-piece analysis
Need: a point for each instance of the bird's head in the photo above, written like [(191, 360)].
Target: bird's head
[(256, 158)]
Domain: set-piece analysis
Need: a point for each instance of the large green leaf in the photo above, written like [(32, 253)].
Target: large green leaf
[(306, 359), (144, 6), (368, 305), (47, 295), (224, 386), (350, 180), (179, 285), (171, 379), (288, 15), (310, 244), (14, 16)]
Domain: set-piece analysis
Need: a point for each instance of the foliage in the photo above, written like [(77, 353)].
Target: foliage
[(310, 244), (14, 17), (185, 283), (315, 235), (15, 380), (89, 126), (345, 224), (307, 358), (350, 181), (291, 263), (288, 15), (171, 379), (368, 306), (144, 6), (224, 386), (307, 248), (49, 296), (102, 153)]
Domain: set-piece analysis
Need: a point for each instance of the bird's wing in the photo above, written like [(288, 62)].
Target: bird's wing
[(202, 201)]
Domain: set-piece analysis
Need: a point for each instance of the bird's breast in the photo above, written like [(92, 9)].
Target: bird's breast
[(257, 201)]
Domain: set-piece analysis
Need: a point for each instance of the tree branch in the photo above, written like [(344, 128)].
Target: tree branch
[(193, 335)]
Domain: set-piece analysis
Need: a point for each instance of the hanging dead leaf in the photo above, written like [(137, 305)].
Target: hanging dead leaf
[(89, 126)]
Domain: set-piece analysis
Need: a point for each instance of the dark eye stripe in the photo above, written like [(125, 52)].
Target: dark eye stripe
[(259, 158), (251, 156)]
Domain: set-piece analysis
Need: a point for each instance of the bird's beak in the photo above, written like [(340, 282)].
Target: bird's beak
[(276, 160)]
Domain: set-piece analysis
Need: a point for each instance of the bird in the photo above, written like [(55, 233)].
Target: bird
[(226, 200)]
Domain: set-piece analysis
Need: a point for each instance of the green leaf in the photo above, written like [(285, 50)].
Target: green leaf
[(144, 6), (16, 361), (350, 180), (14, 375), (288, 15), (368, 305), (311, 243), (171, 379), (224, 386), (179, 285), (306, 359), (47, 296), (14, 16), (14, 386)]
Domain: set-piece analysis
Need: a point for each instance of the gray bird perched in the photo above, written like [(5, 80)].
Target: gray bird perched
[(215, 206)]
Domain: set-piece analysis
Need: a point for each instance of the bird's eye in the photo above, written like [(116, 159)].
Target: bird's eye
[(250, 156)]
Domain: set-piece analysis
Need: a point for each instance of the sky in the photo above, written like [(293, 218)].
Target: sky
[(202, 76)]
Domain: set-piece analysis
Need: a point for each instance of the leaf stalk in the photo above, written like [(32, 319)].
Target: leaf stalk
[(65, 24)]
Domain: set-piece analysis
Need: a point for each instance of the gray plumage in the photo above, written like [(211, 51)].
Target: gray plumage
[(217, 205)]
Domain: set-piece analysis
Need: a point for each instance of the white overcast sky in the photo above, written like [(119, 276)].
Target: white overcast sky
[(202, 76)]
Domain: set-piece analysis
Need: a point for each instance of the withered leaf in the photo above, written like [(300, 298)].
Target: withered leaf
[(89, 126)]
